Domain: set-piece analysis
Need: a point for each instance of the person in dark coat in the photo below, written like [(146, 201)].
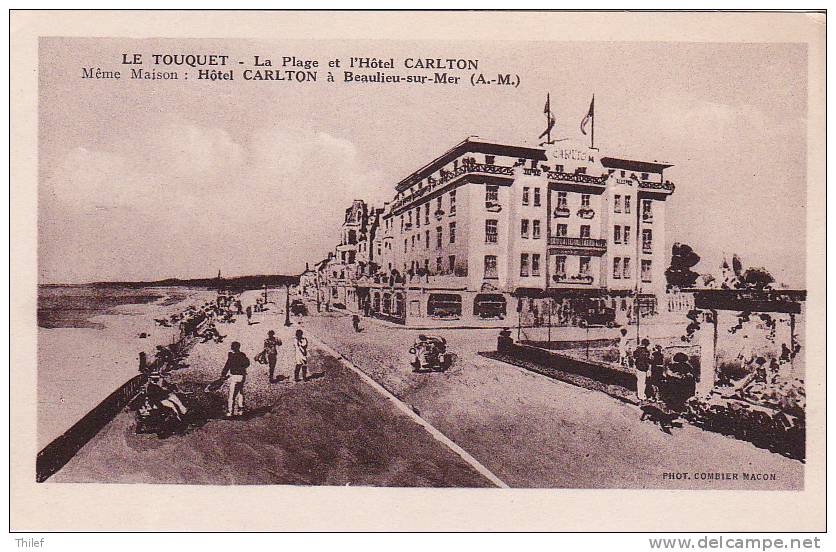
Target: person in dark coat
[(680, 384), (657, 370), (235, 371), (641, 360)]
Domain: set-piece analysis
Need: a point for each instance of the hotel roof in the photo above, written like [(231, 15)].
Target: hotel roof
[(479, 145)]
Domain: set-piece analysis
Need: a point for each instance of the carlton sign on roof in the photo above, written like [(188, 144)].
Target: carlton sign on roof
[(572, 155)]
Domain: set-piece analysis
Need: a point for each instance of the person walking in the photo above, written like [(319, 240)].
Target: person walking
[(641, 361), (249, 314), (235, 371), (657, 370), (271, 351), (300, 344), (624, 349)]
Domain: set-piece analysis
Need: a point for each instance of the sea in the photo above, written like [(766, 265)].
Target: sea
[(89, 340)]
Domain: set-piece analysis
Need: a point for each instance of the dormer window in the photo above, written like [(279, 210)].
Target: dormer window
[(489, 159), (645, 176)]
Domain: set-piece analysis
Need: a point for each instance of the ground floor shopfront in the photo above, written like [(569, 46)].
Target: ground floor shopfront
[(446, 307)]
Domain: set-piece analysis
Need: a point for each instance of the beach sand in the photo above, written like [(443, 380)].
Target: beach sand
[(79, 367)]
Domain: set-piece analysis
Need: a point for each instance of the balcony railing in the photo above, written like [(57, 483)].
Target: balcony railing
[(578, 178), (446, 176), (666, 185), (585, 243)]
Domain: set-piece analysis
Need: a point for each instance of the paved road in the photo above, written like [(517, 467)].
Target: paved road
[(333, 430), (535, 432)]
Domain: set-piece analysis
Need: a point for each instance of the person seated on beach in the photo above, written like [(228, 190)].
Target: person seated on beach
[(163, 393), (164, 357), (162, 322)]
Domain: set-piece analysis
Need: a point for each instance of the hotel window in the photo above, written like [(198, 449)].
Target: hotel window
[(452, 232), (536, 197), (616, 206), (535, 229), (584, 200), (585, 230), (438, 204), (413, 241), (491, 195), (452, 202), (647, 210), (491, 234), (626, 234), (525, 194), (489, 159), (401, 224), (524, 264), (452, 261), (427, 266), (561, 230), (438, 237), (647, 240), (524, 228), (426, 213), (427, 239), (438, 265), (560, 266), (490, 266), (622, 174), (417, 217), (409, 218), (616, 234), (535, 264), (583, 268), (627, 204), (646, 275), (561, 200), (405, 242), (616, 268), (627, 275)]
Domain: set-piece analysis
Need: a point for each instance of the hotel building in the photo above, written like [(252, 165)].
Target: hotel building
[(488, 228)]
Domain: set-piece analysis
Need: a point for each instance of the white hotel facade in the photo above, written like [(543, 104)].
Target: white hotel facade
[(487, 229)]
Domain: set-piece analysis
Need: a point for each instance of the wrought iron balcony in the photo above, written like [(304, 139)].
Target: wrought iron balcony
[(579, 178), (579, 243), (446, 176)]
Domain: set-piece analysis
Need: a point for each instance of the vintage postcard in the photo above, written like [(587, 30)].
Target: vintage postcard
[(531, 263)]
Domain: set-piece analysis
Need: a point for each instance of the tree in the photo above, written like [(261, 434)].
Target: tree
[(679, 273), (757, 278)]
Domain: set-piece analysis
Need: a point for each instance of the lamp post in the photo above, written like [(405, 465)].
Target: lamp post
[(287, 305)]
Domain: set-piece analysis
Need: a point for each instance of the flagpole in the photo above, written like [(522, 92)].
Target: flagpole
[(548, 120), (593, 122)]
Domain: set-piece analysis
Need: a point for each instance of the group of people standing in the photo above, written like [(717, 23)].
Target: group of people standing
[(672, 383), (235, 370)]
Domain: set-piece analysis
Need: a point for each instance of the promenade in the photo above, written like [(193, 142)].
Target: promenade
[(332, 430), (522, 428)]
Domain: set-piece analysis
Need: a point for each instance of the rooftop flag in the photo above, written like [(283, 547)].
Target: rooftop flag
[(590, 118), (550, 120)]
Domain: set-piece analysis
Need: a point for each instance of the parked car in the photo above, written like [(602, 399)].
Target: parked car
[(298, 307)]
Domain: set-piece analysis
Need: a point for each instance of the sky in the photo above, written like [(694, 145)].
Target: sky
[(143, 180)]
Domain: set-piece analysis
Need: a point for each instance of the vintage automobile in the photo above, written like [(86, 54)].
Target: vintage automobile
[(297, 307), (596, 313), (429, 354)]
